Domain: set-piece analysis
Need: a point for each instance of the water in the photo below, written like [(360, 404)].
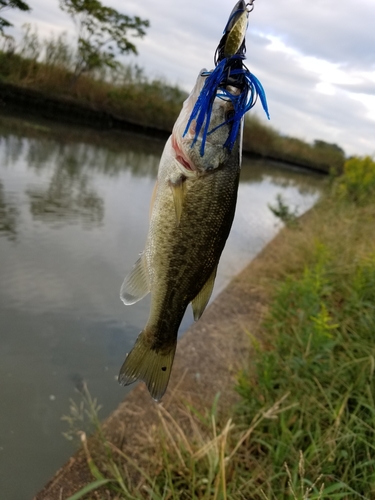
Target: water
[(73, 219)]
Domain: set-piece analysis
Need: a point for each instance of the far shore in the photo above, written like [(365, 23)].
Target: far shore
[(36, 103)]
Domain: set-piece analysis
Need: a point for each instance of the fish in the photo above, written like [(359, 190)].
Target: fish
[(193, 207)]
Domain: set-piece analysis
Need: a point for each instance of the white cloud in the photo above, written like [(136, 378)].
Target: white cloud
[(368, 102)]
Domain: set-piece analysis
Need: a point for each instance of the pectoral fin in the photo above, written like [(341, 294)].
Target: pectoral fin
[(201, 300), (135, 285), (178, 192)]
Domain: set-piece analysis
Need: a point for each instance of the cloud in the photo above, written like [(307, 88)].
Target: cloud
[(335, 31), (365, 87)]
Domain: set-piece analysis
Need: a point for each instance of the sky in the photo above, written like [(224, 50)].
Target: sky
[(315, 59)]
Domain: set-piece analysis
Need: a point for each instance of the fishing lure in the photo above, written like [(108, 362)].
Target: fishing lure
[(230, 70)]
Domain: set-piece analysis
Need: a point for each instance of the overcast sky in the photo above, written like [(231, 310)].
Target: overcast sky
[(315, 59)]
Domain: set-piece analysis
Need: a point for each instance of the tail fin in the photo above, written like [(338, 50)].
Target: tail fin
[(151, 366)]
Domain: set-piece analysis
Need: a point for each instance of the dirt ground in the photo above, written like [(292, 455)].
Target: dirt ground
[(207, 360)]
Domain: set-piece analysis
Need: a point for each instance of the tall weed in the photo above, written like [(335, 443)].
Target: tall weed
[(357, 183)]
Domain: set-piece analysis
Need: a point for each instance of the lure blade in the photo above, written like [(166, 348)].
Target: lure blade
[(236, 36)]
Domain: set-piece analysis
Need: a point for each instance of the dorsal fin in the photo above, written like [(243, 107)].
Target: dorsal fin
[(135, 285), (201, 300)]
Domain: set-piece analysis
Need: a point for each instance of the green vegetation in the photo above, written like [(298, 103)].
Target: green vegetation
[(262, 139), (304, 428), (322, 326), (124, 91), (52, 66), (358, 182)]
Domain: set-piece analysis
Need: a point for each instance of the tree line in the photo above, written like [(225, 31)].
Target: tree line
[(102, 32)]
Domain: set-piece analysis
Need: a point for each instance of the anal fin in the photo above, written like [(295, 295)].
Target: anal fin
[(135, 285), (200, 302)]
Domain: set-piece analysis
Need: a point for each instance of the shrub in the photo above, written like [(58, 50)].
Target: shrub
[(358, 181)]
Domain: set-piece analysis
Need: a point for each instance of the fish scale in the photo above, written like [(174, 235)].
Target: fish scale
[(177, 262)]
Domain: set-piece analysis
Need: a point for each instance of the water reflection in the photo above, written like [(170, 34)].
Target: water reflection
[(109, 153), (8, 216), (283, 175), (69, 196)]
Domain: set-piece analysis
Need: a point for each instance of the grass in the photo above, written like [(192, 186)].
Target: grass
[(318, 346), (127, 93), (321, 325), (304, 428)]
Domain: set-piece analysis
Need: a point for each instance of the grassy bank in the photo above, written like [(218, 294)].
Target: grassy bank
[(304, 426), (127, 93)]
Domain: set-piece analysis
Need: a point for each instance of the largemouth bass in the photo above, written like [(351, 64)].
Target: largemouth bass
[(193, 206), (192, 212)]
